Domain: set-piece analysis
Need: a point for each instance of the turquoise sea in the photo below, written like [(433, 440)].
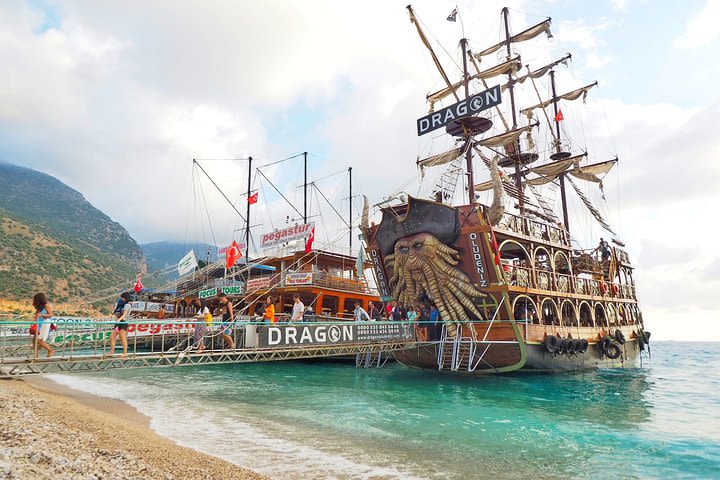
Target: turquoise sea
[(326, 420)]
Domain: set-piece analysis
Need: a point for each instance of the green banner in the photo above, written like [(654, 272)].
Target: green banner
[(211, 292)]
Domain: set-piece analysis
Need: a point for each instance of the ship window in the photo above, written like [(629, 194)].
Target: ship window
[(568, 314), (585, 315), (549, 313), (600, 316), (330, 305)]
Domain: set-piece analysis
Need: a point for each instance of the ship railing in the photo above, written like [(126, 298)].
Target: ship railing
[(564, 283), (535, 229)]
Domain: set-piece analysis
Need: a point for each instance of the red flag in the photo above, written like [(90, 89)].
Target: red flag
[(253, 198), (310, 240), (138, 286), (232, 255), (559, 116)]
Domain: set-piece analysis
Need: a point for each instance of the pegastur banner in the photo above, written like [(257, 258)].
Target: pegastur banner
[(345, 333)]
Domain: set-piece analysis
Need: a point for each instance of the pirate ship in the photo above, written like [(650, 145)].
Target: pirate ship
[(513, 287)]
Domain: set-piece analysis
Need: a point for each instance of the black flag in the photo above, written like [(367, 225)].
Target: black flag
[(453, 14)]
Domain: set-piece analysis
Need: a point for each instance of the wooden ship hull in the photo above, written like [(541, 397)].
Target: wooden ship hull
[(508, 300), (512, 290)]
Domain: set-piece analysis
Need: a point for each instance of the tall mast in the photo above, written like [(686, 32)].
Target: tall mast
[(350, 218), (518, 180), (305, 191), (557, 151), (247, 226), (468, 137)]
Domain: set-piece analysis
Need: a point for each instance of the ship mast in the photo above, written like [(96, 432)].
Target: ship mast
[(468, 136), (516, 144), (558, 153)]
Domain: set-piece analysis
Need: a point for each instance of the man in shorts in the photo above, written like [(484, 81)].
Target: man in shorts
[(123, 308), (226, 327)]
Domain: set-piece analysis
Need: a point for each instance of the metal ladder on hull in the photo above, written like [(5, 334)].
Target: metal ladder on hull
[(370, 360)]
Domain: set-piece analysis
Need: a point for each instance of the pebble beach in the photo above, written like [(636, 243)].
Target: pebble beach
[(51, 431)]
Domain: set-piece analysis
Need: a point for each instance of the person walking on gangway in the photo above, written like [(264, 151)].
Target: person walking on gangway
[(40, 330), (360, 313), (122, 311), (226, 327), (298, 309)]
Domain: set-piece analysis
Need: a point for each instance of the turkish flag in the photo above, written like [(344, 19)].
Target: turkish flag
[(253, 198), (559, 116), (232, 254), (138, 286), (310, 240)]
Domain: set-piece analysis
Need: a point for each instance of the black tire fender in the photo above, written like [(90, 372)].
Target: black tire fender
[(551, 344), (620, 336)]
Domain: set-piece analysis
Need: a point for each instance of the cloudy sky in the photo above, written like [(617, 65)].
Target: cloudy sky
[(116, 98)]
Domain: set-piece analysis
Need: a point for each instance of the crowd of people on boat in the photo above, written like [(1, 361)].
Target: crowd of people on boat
[(425, 315)]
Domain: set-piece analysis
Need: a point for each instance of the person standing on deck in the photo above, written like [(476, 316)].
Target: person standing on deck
[(40, 330), (412, 314), (298, 309), (359, 313), (122, 311), (269, 314), (604, 249), (435, 327), (374, 312), (226, 307)]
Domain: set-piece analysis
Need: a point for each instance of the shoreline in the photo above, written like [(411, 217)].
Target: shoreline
[(49, 430)]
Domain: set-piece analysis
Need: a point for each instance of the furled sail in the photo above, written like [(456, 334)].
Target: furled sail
[(510, 66), (441, 158), (590, 207), (574, 95), (528, 34), (540, 72), (591, 173), (505, 138), (497, 208)]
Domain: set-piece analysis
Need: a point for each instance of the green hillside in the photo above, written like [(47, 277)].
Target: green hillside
[(53, 240)]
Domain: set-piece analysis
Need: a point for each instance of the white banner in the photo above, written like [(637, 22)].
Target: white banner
[(187, 264), (286, 235)]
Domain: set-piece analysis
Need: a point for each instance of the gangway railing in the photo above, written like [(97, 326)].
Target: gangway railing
[(85, 345)]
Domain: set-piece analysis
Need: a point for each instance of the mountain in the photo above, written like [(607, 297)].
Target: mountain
[(53, 240), (160, 255)]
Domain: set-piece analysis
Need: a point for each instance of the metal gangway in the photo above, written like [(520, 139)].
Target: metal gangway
[(83, 345)]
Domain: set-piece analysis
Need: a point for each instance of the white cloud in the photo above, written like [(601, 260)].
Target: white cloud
[(703, 28)]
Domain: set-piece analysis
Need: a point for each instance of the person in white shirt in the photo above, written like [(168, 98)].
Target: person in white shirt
[(360, 313), (298, 309)]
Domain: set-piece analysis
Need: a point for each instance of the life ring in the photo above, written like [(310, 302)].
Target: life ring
[(620, 336), (614, 289), (609, 349), (551, 344), (603, 287), (583, 346)]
